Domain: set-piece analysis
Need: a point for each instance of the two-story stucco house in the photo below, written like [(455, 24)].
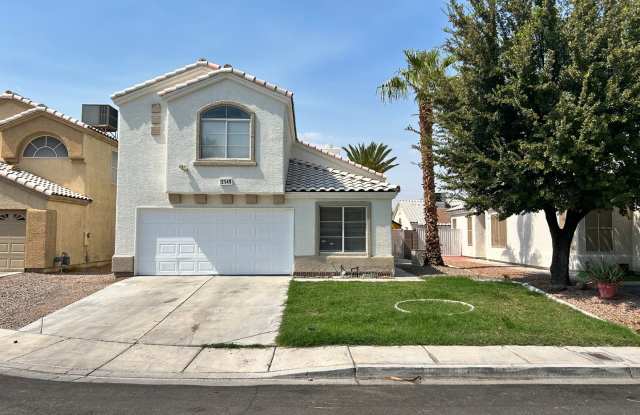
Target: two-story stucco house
[(213, 180), (57, 188)]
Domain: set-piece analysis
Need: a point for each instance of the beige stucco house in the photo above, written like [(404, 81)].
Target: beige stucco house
[(57, 188), (213, 179), (525, 239)]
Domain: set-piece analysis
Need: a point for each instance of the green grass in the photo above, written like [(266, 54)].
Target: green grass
[(326, 313)]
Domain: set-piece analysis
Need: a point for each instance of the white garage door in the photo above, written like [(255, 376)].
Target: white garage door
[(215, 241)]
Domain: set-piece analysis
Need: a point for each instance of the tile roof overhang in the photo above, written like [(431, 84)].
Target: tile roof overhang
[(39, 184), (226, 70), (303, 176), (199, 63), (38, 109)]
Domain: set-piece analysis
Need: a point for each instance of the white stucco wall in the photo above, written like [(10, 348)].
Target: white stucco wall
[(141, 169), (529, 241), (267, 176)]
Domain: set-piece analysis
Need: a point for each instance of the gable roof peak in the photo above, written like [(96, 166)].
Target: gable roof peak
[(38, 107), (201, 62)]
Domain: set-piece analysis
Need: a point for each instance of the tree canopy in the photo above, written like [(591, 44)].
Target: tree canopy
[(544, 110)]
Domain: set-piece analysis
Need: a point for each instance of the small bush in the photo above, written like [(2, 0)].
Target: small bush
[(601, 271)]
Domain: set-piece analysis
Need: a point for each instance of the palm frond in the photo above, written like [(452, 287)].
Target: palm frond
[(373, 155)]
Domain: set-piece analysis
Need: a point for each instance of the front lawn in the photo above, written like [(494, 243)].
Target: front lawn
[(334, 312)]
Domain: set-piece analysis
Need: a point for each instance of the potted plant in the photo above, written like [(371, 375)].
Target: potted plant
[(607, 277), (582, 280)]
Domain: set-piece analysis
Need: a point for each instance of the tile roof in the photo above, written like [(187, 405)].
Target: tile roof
[(199, 62), (37, 183), (37, 107), (414, 211), (308, 177), (231, 70), (335, 156)]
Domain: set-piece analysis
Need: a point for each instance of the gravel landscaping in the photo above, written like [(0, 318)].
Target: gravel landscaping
[(26, 297), (624, 309)]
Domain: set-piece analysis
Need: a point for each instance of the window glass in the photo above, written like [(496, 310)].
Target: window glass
[(356, 214), (355, 244), (469, 231), (225, 133), (45, 147), (343, 229), (330, 213), (217, 112), (355, 229)]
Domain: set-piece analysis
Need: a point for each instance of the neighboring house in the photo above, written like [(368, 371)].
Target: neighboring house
[(57, 188), (409, 214), (213, 180), (525, 239)]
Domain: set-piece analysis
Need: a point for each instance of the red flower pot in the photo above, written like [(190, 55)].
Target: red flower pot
[(607, 290)]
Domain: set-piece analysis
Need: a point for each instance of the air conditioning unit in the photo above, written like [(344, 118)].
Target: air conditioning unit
[(101, 116)]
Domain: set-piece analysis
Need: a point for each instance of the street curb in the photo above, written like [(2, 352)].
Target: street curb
[(414, 374)]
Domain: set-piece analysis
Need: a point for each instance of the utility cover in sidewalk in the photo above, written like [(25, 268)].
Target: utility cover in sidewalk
[(434, 306)]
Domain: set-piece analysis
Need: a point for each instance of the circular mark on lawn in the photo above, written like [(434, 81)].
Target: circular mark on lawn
[(469, 307)]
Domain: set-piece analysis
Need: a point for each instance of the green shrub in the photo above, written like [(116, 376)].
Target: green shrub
[(601, 271)]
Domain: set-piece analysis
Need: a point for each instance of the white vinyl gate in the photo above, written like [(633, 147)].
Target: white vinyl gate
[(450, 241)]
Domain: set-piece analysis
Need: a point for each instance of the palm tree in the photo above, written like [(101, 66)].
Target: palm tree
[(372, 155), (420, 79)]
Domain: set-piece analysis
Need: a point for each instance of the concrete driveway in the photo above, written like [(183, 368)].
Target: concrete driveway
[(185, 311)]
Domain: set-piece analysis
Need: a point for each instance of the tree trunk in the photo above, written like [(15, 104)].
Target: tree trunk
[(561, 238), (433, 256)]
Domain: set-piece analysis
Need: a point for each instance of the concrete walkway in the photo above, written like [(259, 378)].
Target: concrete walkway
[(82, 360)]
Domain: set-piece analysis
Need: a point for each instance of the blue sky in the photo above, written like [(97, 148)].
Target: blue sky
[(332, 54)]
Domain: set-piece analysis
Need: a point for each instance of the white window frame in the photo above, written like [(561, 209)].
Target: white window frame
[(366, 230), (46, 137), (249, 121)]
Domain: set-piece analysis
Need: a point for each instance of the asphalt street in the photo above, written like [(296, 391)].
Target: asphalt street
[(26, 396)]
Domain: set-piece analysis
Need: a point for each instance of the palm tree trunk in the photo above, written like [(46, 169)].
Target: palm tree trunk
[(433, 256)]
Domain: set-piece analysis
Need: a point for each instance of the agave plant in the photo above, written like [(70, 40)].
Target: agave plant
[(373, 155)]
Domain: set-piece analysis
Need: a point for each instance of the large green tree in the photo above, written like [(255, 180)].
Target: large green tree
[(373, 155), (421, 79), (544, 113)]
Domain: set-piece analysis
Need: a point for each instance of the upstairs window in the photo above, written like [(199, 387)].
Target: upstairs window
[(599, 231), (225, 133), (45, 147)]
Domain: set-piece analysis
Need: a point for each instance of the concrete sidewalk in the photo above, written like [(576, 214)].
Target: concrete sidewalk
[(72, 359)]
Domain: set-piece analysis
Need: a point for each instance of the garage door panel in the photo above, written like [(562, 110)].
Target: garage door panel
[(12, 240), (215, 241)]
